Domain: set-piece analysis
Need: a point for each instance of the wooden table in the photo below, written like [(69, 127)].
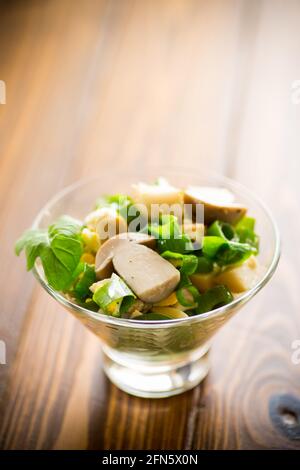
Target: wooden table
[(204, 84)]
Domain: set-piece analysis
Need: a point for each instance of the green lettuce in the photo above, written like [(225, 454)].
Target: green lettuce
[(59, 249)]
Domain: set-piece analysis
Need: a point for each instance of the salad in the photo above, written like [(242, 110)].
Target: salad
[(161, 253)]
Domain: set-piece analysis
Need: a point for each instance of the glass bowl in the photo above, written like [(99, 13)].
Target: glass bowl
[(157, 358)]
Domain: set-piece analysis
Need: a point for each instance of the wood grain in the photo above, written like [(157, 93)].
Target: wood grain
[(98, 83)]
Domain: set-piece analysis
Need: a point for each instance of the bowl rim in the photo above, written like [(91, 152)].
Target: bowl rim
[(101, 317)]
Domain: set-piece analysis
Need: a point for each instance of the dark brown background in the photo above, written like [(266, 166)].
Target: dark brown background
[(202, 83)]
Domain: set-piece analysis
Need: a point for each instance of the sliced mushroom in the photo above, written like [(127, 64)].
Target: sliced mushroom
[(218, 204), (103, 262), (150, 276)]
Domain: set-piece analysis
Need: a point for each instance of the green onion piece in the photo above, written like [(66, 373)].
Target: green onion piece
[(174, 258), (205, 265), (170, 236), (245, 230), (171, 255), (188, 296), (85, 279), (221, 229), (246, 223), (111, 294), (126, 303), (236, 253), (213, 298), (225, 252), (184, 281), (187, 263), (212, 245)]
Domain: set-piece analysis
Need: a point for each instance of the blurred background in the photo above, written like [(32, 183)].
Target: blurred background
[(211, 85)]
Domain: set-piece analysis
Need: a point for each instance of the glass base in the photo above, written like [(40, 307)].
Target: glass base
[(158, 380)]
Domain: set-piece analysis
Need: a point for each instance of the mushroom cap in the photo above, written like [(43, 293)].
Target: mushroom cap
[(151, 277), (219, 203), (103, 261)]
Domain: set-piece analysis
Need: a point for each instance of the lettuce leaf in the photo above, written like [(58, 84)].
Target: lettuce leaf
[(59, 249)]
